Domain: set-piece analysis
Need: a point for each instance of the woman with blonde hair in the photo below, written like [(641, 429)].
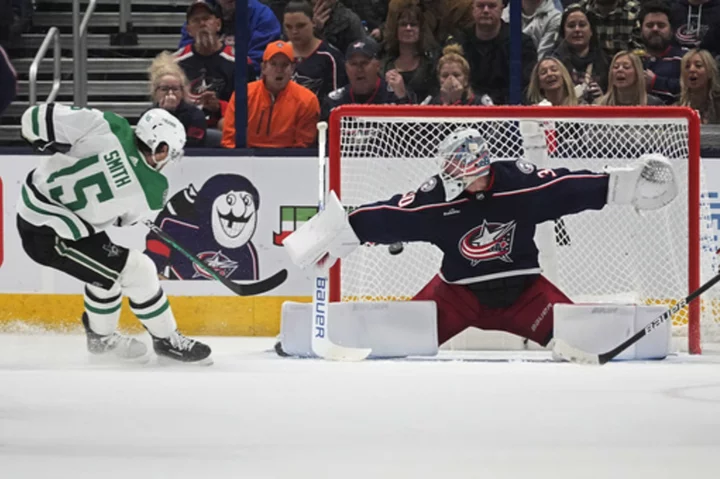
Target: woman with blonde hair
[(626, 83), (550, 83), (700, 85), (454, 79), (169, 91)]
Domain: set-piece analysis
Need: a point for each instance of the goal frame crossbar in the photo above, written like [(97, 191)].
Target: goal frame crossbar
[(544, 113)]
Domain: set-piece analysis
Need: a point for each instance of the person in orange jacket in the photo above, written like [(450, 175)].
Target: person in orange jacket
[(281, 113)]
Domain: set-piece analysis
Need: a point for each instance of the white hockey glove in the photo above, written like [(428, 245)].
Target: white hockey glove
[(326, 237), (649, 184)]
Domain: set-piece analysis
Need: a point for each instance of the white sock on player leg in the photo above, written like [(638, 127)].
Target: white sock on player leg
[(155, 314), (147, 299), (103, 308)]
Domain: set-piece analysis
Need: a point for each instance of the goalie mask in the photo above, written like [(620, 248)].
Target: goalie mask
[(464, 157), (158, 126)]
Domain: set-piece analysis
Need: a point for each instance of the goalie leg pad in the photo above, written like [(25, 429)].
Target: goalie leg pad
[(597, 328), (392, 329), (327, 233)]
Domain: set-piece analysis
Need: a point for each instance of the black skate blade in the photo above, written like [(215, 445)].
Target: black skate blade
[(172, 362)]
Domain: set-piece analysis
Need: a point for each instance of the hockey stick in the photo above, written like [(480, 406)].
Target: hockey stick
[(575, 355), (241, 289), (322, 346)]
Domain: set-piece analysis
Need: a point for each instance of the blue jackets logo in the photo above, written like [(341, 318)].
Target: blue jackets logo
[(488, 242)]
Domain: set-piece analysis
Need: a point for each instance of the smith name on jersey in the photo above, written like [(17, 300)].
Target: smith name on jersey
[(102, 181), (485, 235)]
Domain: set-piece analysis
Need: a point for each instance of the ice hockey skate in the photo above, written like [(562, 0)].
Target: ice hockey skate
[(178, 348), (114, 345)]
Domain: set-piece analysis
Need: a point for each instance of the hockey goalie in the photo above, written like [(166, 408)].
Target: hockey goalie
[(482, 215)]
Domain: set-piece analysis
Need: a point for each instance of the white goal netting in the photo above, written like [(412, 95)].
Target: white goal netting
[(614, 254)]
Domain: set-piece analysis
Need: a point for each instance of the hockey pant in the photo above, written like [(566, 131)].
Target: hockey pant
[(108, 271), (530, 316)]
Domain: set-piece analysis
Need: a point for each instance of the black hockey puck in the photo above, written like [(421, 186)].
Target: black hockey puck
[(396, 248)]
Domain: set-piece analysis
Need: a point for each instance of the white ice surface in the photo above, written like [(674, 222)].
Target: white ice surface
[(253, 415)]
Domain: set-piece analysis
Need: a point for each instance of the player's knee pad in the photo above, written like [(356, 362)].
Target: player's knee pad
[(139, 280)]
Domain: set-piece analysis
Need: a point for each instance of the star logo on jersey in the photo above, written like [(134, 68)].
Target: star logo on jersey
[(112, 250), (220, 263), (488, 242)]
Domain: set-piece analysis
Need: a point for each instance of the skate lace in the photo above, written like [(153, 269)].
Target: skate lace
[(117, 342), (114, 339), (180, 342)]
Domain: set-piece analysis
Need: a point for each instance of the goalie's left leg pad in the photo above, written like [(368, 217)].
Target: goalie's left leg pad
[(391, 329), (598, 328)]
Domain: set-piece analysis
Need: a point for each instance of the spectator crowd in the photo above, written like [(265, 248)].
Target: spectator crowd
[(307, 57)]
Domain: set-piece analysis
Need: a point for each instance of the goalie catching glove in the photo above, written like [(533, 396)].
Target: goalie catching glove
[(649, 184), (325, 238)]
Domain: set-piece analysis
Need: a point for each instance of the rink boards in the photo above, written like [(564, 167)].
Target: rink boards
[(285, 189)]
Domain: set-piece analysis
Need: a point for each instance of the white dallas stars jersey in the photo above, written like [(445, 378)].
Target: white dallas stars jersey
[(101, 181)]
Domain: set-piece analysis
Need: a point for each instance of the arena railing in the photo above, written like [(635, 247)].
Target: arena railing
[(80, 28), (52, 37)]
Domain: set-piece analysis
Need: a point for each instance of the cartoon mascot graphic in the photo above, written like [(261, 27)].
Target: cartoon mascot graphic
[(216, 224)]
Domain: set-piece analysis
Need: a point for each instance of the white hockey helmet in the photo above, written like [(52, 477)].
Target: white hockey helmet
[(158, 126), (463, 157)]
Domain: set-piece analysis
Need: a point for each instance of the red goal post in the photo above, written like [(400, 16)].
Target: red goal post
[(376, 151)]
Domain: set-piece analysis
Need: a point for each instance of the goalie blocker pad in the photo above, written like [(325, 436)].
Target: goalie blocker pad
[(392, 329), (597, 328)]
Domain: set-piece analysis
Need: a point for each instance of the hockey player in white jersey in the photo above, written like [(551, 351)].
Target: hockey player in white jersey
[(107, 176)]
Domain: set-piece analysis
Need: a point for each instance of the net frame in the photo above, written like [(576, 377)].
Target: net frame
[(544, 113)]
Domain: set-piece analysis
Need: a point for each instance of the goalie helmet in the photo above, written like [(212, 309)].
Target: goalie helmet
[(463, 157), (159, 126)]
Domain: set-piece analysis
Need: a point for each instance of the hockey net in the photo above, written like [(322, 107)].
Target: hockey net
[(612, 255)]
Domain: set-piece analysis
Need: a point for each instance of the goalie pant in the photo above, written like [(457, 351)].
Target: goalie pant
[(529, 316)]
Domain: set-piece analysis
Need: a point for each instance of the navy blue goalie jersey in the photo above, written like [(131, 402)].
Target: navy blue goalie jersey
[(485, 235)]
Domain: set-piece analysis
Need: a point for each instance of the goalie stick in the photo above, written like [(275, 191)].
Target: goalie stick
[(322, 346), (241, 289), (574, 355)]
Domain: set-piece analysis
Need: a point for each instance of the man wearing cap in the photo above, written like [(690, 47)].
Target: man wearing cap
[(208, 62), (263, 27), (281, 113), (366, 86)]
